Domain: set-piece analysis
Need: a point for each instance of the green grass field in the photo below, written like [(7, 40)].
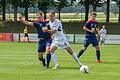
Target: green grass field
[(18, 61)]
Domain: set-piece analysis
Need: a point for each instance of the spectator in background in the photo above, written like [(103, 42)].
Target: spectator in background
[(103, 33), (26, 37)]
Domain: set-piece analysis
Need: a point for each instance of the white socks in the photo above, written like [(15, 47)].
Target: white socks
[(76, 59), (53, 56)]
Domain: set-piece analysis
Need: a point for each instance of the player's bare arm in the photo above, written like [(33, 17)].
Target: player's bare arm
[(49, 30), (86, 29), (98, 31), (25, 22)]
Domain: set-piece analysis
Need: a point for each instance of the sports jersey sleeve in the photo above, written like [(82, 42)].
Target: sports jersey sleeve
[(35, 24), (100, 31), (57, 25), (105, 31), (87, 25)]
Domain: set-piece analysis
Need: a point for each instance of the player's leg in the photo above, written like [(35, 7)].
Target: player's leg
[(101, 41), (70, 51), (40, 57), (96, 45), (86, 44), (98, 54), (48, 57), (53, 56), (41, 50), (27, 37)]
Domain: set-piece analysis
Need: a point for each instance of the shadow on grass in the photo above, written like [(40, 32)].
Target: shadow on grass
[(68, 67), (111, 62)]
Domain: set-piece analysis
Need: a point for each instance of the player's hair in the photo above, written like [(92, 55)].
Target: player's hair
[(93, 13), (52, 12), (40, 12)]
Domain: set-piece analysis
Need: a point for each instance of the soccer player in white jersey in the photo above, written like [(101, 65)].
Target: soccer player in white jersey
[(103, 33), (59, 39)]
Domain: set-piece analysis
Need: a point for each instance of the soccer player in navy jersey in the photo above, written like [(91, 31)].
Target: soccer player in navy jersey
[(91, 27), (44, 37)]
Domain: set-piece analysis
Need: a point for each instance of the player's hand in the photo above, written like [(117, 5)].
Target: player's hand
[(98, 37), (92, 31), (21, 18), (45, 30), (52, 36)]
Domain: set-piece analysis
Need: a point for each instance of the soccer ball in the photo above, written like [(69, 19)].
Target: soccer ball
[(84, 69)]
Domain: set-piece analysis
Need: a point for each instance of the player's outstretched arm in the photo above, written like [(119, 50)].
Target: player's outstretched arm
[(86, 29), (25, 22), (49, 30), (98, 31)]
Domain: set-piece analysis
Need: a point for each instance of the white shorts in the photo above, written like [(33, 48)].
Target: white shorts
[(61, 43), (102, 39)]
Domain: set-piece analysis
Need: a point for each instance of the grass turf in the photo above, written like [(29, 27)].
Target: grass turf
[(18, 61)]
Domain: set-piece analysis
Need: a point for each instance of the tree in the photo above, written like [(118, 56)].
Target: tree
[(44, 5), (3, 3), (114, 9), (86, 3), (60, 4), (26, 6), (0, 6), (118, 3), (15, 4), (86, 9), (119, 11), (96, 3), (108, 11)]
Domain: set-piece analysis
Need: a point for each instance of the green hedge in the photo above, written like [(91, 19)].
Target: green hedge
[(70, 27)]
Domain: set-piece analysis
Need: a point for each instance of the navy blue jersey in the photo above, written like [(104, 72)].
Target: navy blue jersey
[(92, 25), (40, 25)]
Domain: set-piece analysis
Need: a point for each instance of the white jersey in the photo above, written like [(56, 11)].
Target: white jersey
[(59, 36), (103, 33), (56, 25)]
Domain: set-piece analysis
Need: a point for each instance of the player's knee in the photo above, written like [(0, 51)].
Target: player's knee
[(84, 49), (48, 51), (70, 52), (41, 59), (52, 49), (97, 48)]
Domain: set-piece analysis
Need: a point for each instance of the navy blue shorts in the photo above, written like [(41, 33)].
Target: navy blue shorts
[(43, 44), (91, 40)]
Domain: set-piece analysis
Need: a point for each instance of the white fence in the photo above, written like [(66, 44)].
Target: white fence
[(73, 38)]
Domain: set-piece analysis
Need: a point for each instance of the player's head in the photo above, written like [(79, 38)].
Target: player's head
[(93, 15), (51, 15), (39, 15), (103, 26)]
